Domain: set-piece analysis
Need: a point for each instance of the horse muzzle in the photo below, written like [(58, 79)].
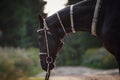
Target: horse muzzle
[(45, 61), (45, 67)]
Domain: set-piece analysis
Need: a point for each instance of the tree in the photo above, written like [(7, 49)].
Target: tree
[(18, 22)]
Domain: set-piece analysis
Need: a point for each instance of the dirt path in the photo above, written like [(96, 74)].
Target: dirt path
[(82, 73)]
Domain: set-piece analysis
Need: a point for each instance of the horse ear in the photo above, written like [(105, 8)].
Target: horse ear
[(41, 21)]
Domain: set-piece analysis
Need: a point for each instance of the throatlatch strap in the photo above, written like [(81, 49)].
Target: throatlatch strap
[(61, 23), (71, 19), (95, 18)]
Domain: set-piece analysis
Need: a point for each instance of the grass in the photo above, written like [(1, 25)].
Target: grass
[(17, 62)]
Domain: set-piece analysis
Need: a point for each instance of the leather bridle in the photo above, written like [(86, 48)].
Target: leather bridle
[(95, 17), (49, 59)]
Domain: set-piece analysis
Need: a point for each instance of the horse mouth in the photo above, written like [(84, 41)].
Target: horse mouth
[(45, 67), (44, 64)]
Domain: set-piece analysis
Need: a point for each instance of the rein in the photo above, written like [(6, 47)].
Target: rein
[(49, 59)]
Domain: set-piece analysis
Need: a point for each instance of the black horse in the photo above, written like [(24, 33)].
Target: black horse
[(54, 28)]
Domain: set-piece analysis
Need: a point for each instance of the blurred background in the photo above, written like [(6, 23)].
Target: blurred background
[(19, 46)]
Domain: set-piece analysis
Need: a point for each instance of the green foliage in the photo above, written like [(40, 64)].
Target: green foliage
[(19, 22), (16, 62), (77, 51), (82, 41), (98, 58), (75, 46), (66, 58)]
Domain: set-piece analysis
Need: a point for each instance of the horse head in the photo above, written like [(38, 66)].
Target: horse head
[(49, 45), (53, 29)]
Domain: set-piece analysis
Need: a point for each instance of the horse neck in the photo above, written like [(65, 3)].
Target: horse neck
[(82, 18)]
